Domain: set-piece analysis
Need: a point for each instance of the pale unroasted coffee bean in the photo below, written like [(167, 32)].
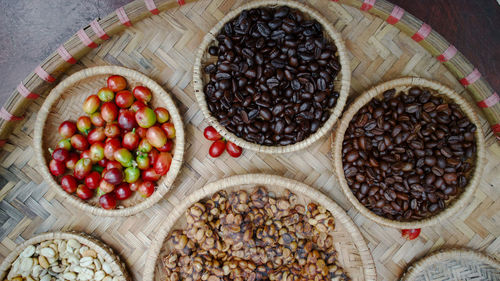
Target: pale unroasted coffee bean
[(273, 82), (413, 152)]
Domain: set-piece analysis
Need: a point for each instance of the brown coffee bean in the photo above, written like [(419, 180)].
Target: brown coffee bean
[(420, 164)]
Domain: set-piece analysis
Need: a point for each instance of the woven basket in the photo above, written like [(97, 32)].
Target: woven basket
[(454, 264), (354, 255), (102, 250), (64, 102), (404, 84), (342, 81)]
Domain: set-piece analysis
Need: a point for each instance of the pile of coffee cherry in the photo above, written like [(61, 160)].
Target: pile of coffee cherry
[(120, 146)]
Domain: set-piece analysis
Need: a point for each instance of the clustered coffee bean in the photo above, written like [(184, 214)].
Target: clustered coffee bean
[(406, 156), (273, 82)]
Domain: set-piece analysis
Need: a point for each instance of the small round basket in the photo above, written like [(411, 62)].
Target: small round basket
[(117, 266), (341, 83), (454, 264), (64, 103), (353, 253), (402, 84)]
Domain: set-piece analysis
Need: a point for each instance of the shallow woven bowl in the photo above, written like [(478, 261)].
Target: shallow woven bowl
[(454, 264), (403, 84), (102, 249), (65, 103), (353, 253), (342, 81)]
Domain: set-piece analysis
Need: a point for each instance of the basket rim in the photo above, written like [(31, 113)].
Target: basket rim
[(267, 180), (440, 255), (363, 99), (158, 91), (336, 111), (94, 243)]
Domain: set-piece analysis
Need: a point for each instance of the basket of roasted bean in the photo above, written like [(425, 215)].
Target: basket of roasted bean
[(272, 76), (109, 140), (63, 256), (409, 153), (259, 227)]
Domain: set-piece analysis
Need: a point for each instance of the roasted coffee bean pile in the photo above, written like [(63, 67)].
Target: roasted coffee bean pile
[(405, 156), (254, 236), (272, 83)]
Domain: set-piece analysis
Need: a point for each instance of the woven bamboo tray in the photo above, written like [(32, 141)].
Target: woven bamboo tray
[(342, 81), (65, 103), (454, 264), (163, 47), (353, 254), (118, 267), (403, 84)]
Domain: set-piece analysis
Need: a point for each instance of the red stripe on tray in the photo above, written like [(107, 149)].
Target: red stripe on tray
[(96, 27), (471, 78), (44, 74), (5, 115), (489, 101), (26, 93), (422, 33), (65, 55), (122, 16), (447, 54), (181, 2), (367, 5), (150, 4), (496, 128), (396, 15), (86, 39)]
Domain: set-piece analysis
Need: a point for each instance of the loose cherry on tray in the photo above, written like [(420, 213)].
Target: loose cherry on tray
[(211, 134), (219, 144), (233, 149), (410, 234), (217, 148)]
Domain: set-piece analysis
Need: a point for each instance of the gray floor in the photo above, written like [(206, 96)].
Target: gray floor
[(31, 29)]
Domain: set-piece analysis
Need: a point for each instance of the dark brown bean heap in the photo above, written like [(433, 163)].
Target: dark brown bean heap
[(405, 156), (273, 81)]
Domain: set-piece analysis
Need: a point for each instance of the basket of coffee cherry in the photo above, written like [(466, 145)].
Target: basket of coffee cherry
[(409, 153), (110, 140)]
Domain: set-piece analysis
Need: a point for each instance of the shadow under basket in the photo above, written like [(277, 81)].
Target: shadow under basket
[(341, 82), (65, 103), (353, 253), (454, 204)]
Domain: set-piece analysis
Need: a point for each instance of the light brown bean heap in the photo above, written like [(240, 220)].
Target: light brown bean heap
[(254, 236)]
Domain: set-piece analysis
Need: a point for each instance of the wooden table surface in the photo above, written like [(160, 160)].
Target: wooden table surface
[(29, 35)]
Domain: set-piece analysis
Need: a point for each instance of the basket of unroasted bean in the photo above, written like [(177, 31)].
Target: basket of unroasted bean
[(272, 76), (409, 153), (258, 227), (63, 256)]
